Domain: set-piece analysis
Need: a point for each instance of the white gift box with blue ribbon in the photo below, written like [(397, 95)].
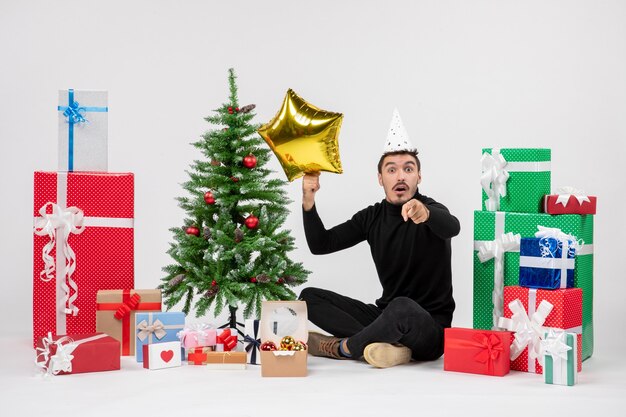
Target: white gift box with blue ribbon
[(547, 261), (83, 130)]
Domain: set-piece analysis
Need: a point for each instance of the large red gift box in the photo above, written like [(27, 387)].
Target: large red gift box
[(553, 204), (77, 354), (566, 314), (476, 351), (83, 242)]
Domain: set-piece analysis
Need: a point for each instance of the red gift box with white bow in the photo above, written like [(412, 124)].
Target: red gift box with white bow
[(530, 313), (77, 354), (83, 242), (568, 200)]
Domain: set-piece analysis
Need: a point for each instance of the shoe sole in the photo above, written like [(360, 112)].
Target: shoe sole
[(386, 355)]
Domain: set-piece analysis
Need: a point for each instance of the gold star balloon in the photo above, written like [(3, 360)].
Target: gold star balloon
[(304, 137)]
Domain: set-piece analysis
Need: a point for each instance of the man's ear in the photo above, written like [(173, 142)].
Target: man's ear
[(419, 176), (380, 179)]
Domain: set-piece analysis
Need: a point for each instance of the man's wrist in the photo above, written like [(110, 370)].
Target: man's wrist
[(307, 204)]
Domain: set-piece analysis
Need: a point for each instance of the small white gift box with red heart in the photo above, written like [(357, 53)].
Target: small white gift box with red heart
[(162, 355)]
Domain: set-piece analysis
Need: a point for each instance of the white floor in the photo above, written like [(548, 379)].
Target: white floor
[(333, 388)]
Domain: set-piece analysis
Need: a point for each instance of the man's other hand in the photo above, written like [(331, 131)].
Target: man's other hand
[(310, 185), (415, 210)]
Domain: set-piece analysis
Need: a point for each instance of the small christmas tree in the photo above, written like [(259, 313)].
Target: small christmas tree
[(231, 250)]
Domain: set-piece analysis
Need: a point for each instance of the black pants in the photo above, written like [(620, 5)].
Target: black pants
[(402, 321)]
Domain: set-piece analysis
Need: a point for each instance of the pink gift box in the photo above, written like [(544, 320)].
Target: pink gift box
[(198, 335)]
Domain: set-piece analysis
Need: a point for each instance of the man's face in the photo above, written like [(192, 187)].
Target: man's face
[(399, 177)]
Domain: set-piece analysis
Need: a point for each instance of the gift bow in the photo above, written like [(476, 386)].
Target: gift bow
[(490, 348), (566, 192), (554, 346), (495, 249), (127, 306), (567, 243), (155, 328), (61, 361), (252, 343), (493, 178), (227, 339), (61, 222), (528, 330), (74, 113)]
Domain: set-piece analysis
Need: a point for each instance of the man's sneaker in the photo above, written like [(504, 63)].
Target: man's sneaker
[(385, 355), (324, 345)]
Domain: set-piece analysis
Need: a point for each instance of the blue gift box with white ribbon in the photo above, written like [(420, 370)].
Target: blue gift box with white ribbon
[(83, 130), (156, 328), (547, 263)]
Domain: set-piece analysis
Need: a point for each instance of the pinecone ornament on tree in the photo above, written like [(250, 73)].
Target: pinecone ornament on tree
[(238, 235), (176, 280), (211, 293), (248, 108)]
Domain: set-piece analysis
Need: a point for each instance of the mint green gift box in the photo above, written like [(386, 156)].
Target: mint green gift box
[(556, 369), (489, 225), (529, 176)]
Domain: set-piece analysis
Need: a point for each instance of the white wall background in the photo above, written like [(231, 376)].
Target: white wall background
[(464, 74)]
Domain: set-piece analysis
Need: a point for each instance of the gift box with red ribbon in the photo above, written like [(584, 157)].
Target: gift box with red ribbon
[(476, 351), (76, 354), (116, 313), (226, 340), (530, 312), (198, 355), (569, 201), (83, 242)]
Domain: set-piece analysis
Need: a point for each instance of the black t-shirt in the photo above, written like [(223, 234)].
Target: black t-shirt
[(412, 260)]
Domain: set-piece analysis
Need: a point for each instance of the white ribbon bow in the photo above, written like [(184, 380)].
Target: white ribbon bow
[(61, 361), (528, 330), (567, 243), (566, 192), (495, 249), (556, 233), (554, 345), (63, 221), (155, 328), (493, 178)]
